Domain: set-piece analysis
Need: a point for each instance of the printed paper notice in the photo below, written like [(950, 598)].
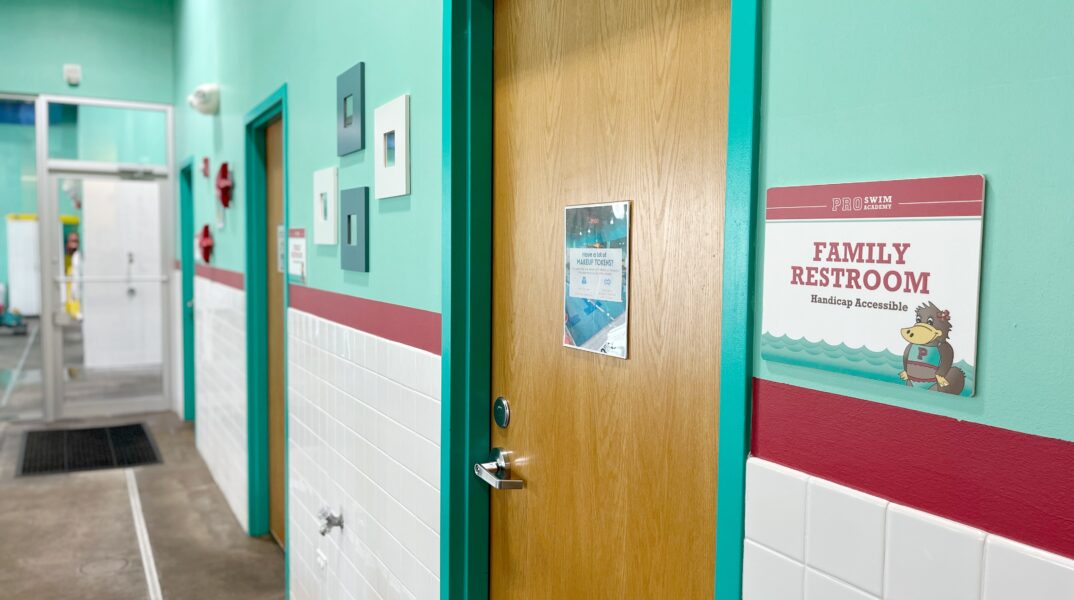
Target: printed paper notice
[(597, 287), (597, 274), (296, 255)]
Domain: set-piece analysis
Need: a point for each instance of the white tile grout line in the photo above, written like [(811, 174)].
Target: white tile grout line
[(148, 564)]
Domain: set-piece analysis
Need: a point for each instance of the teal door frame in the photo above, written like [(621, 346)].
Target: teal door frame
[(186, 263), (275, 106), (736, 328), (467, 295)]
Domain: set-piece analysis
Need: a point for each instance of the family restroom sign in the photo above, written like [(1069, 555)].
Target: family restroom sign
[(877, 279)]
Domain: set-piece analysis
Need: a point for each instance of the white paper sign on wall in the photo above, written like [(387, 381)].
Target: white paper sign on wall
[(876, 279), (391, 148), (296, 255), (325, 200)]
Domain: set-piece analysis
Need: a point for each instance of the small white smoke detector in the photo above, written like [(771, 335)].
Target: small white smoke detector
[(72, 74)]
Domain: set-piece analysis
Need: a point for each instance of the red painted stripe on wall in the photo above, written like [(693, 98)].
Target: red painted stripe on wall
[(1012, 484), (411, 326), (229, 278)]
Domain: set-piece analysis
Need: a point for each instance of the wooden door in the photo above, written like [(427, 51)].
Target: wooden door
[(275, 326), (600, 102)]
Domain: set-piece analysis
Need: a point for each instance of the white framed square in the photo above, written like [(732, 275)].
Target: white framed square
[(325, 200), (391, 148)]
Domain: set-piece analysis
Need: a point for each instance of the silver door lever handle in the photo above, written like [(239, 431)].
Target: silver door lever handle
[(497, 472)]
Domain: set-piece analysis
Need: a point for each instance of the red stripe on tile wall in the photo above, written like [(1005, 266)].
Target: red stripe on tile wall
[(229, 278), (1012, 484), (411, 326)]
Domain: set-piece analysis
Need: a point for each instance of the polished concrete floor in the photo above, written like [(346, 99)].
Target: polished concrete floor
[(72, 536)]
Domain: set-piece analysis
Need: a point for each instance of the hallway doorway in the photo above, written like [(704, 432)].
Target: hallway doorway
[(105, 179), (86, 247), (274, 278), (266, 324)]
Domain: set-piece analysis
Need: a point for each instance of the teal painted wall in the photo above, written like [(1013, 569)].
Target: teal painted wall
[(860, 91), (118, 135), (251, 48), (124, 47)]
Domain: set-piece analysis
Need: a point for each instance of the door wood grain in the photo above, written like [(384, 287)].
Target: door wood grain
[(274, 285), (601, 102)]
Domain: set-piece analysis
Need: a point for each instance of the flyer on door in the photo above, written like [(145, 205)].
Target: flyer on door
[(876, 279), (596, 281)]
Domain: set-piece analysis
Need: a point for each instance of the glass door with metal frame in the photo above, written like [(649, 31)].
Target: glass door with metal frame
[(108, 296), (106, 327)]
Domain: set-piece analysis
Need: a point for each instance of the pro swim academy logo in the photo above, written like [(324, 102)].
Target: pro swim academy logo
[(861, 203)]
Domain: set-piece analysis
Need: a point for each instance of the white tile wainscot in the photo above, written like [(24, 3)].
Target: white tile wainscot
[(364, 438), (810, 539), (220, 351)]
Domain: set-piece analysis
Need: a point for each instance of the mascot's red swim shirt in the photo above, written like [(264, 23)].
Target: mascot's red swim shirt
[(925, 356)]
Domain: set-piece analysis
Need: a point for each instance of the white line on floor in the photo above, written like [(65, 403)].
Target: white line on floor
[(11, 383), (150, 565)]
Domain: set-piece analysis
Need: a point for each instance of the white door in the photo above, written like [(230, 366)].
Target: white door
[(120, 265)]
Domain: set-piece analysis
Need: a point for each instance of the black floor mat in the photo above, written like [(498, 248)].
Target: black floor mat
[(65, 450)]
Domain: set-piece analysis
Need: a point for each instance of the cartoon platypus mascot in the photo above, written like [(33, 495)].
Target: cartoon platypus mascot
[(926, 362)]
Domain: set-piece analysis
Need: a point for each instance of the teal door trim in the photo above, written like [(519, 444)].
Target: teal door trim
[(186, 263), (467, 295), (257, 314), (736, 344)]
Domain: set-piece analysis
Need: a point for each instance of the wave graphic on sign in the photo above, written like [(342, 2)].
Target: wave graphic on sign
[(861, 362)]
